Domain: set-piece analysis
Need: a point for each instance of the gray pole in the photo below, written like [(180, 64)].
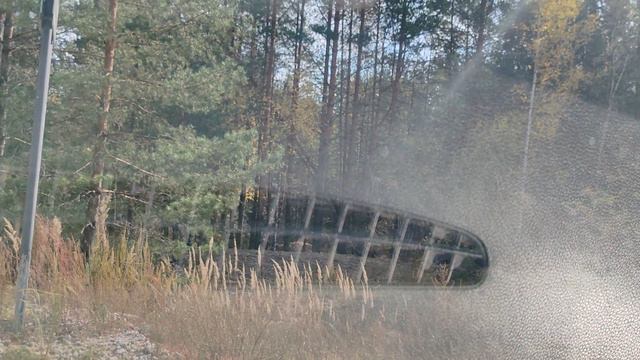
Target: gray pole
[(47, 38)]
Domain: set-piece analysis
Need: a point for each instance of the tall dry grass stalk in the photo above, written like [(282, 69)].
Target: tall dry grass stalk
[(210, 309), (217, 307), (9, 249), (227, 311)]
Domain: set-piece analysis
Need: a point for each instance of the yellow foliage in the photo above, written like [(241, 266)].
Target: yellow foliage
[(559, 33)]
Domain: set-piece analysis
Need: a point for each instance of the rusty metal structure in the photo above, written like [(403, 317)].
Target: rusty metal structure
[(390, 246)]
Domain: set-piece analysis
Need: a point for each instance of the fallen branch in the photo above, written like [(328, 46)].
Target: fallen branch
[(82, 168), (135, 167)]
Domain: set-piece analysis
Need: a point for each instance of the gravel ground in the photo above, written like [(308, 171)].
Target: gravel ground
[(78, 343), (128, 344)]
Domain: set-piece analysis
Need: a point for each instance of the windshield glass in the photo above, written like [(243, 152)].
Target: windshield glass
[(319, 178)]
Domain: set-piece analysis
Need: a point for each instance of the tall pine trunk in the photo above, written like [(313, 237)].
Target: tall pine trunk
[(348, 110), (295, 92), (342, 128), (356, 113), (398, 68), (269, 70), (95, 232), (327, 52), (368, 131), (451, 51), (264, 181), (5, 53), (327, 113), (485, 10)]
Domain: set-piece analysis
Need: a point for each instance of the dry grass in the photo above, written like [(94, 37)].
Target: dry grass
[(218, 309), (215, 309)]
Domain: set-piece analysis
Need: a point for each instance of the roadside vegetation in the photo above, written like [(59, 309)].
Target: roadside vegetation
[(209, 310), (170, 120)]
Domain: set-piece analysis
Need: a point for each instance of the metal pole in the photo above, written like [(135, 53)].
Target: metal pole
[(47, 38)]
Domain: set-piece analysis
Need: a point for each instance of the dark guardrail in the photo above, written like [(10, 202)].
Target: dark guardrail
[(390, 246)]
